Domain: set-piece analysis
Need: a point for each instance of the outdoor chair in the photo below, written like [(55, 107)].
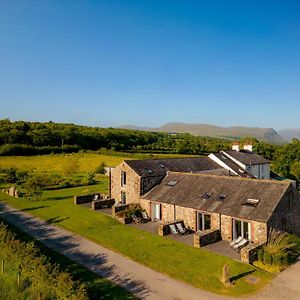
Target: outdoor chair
[(135, 219), (235, 241), (240, 245), (145, 217), (180, 228), (173, 229)]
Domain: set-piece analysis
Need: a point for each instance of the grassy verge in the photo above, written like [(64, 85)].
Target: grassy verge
[(96, 287), (198, 267)]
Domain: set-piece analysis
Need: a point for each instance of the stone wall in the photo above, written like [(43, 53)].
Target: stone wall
[(103, 203), (147, 183), (86, 198), (164, 229), (202, 238), (258, 230), (167, 212), (186, 214), (286, 215), (132, 187), (226, 228), (249, 253)]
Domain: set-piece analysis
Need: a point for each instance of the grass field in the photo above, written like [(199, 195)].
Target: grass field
[(198, 267), (87, 161)]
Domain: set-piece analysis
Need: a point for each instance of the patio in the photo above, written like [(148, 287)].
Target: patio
[(221, 247)]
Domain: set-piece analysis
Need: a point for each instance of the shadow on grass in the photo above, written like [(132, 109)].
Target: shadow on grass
[(56, 219), (59, 198), (80, 259), (239, 276), (34, 208)]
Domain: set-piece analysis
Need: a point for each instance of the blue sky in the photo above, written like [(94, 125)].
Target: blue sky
[(110, 63)]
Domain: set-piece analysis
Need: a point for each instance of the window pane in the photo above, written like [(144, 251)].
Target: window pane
[(207, 222), (246, 230)]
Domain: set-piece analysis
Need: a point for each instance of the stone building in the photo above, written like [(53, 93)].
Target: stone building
[(133, 178), (233, 205), (228, 191)]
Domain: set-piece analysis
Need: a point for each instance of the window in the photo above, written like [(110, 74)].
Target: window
[(123, 178), (251, 202), (203, 221), (123, 197), (172, 183), (240, 229)]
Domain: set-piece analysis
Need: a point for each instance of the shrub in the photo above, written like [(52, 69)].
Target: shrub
[(260, 255), (267, 258), (101, 168)]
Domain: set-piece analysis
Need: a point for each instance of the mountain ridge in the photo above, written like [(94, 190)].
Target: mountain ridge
[(233, 132)]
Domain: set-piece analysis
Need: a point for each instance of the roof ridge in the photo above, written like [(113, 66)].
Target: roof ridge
[(236, 178)]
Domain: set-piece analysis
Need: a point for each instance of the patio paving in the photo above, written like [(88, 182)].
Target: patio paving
[(221, 247)]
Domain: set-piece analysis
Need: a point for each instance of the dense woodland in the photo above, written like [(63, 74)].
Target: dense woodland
[(31, 138)]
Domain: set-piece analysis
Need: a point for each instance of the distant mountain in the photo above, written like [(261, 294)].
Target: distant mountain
[(132, 127), (289, 134), (235, 132)]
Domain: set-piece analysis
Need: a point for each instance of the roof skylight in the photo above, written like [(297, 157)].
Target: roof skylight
[(222, 197), (172, 183), (251, 202), (207, 195)]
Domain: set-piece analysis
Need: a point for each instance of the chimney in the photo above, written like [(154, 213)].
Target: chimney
[(248, 147), (236, 146)]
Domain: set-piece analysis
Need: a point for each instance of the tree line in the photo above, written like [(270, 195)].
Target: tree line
[(32, 138)]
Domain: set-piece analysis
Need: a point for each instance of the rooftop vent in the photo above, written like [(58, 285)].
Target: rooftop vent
[(206, 195), (172, 183), (251, 202)]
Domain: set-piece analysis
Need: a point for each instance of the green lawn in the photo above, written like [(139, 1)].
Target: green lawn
[(198, 267)]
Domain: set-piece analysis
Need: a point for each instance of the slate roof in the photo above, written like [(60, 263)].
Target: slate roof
[(246, 157), (156, 167), (190, 189), (232, 165)]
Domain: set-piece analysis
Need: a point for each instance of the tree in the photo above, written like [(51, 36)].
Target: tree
[(34, 187), (11, 175), (71, 166), (101, 168), (295, 169)]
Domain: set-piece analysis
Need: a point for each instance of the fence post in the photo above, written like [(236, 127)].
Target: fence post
[(19, 279)]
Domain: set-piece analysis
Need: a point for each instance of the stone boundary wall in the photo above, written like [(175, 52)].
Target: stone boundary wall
[(164, 229), (249, 253), (202, 238), (85, 198), (103, 203)]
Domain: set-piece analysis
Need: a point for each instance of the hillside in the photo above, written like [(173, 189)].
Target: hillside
[(289, 134), (262, 134)]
